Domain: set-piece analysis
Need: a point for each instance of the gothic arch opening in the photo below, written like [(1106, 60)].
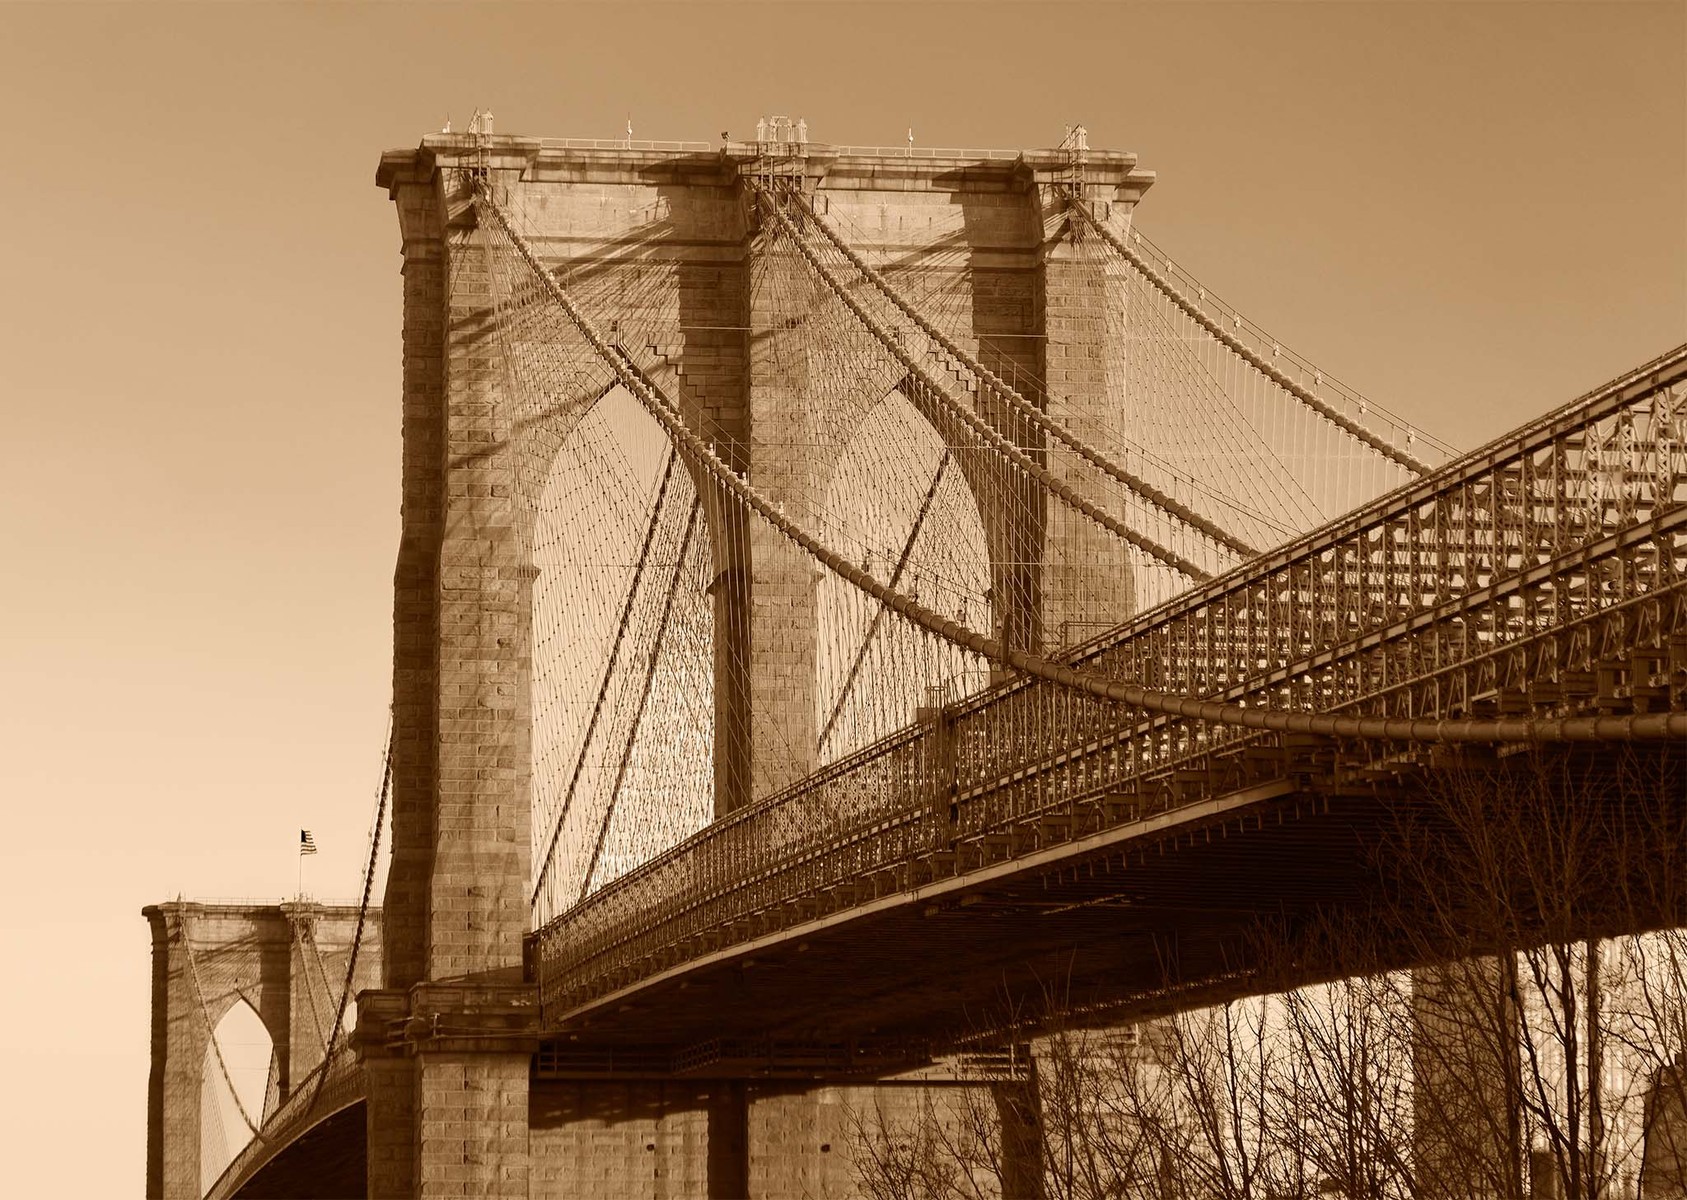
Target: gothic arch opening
[(248, 1053), (898, 504), (622, 692)]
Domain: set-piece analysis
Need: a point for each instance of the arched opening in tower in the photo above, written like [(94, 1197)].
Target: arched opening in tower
[(898, 504), (623, 650), (248, 1053)]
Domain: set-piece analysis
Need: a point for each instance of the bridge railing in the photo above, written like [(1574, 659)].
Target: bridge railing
[(1544, 573), (627, 144), (926, 152)]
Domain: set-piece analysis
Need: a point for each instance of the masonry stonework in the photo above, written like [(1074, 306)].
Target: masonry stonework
[(718, 306), (1086, 570), (287, 961), (686, 274)]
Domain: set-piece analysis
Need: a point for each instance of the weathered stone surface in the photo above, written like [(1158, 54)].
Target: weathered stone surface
[(444, 1047), (287, 961)]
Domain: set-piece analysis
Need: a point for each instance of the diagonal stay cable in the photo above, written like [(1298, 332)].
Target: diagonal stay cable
[(1236, 346), (211, 1033), (608, 669), (1645, 726), (1030, 412), (979, 426), (879, 612)]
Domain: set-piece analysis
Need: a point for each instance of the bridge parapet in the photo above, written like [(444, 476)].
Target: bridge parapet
[(1545, 573)]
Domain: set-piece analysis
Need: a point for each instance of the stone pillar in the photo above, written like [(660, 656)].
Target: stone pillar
[(179, 1038), (415, 678), (1466, 1081), (784, 437), (456, 1015), (390, 1094), (1086, 577), (477, 883)]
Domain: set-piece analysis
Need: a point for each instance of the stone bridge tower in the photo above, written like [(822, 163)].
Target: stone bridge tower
[(449, 1096), (286, 960)]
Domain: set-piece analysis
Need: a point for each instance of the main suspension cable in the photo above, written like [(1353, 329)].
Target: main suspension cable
[(1030, 412), (1645, 726), (1236, 346), (992, 436)]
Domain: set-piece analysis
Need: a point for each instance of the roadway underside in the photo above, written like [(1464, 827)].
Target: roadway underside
[(1259, 891), (328, 1162)]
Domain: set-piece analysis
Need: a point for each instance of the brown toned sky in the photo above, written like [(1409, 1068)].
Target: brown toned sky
[(1471, 212)]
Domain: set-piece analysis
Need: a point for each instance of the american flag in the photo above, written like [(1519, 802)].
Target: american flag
[(307, 844)]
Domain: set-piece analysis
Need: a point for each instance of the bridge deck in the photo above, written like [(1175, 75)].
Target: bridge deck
[(1544, 574)]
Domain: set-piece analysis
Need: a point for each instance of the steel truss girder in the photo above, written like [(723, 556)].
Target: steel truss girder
[(1545, 574)]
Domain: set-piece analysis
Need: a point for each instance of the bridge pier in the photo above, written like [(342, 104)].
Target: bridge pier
[(447, 1088), (1467, 1081), (750, 1139)]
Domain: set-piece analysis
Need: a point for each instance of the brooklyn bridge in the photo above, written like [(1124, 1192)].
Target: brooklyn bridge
[(861, 613)]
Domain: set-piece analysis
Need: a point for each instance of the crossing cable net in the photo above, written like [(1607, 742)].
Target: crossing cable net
[(1175, 403), (1341, 448), (1192, 417), (735, 494), (1105, 542), (939, 284), (934, 298), (947, 351), (857, 447), (624, 655), (1022, 450)]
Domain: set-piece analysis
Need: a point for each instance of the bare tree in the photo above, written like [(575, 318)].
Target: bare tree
[(1513, 1026)]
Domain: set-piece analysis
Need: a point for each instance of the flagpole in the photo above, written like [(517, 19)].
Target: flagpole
[(306, 846)]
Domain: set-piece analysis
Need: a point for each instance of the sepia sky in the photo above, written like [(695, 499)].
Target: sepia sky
[(1470, 212)]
